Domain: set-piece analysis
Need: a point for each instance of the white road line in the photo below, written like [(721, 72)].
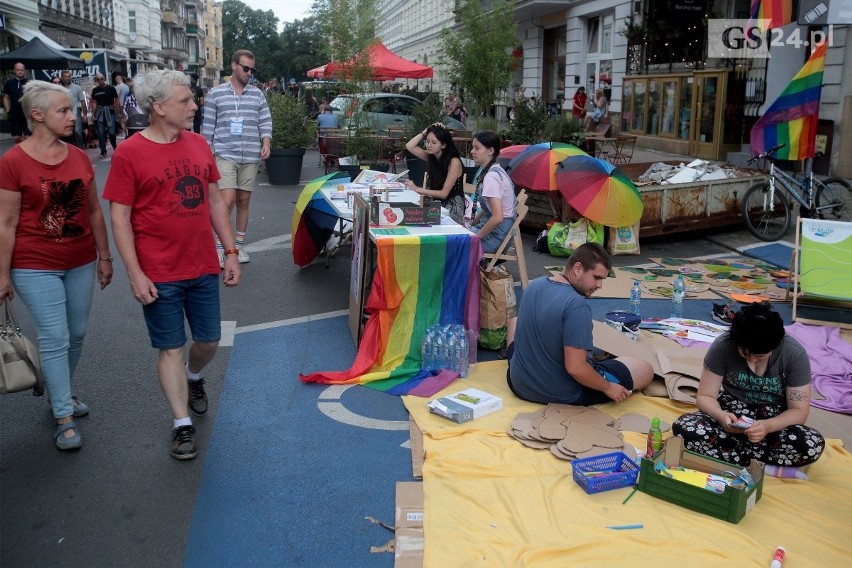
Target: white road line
[(336, 411), (291, 321), (272, 243), (228, 329), (334, 392)]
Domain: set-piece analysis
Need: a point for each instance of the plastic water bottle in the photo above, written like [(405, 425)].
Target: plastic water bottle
[(461, 350), (635, 299), (427, 350), (677, 297)]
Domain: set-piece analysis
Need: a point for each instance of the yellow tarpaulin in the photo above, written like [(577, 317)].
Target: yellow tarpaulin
[(489, 501)]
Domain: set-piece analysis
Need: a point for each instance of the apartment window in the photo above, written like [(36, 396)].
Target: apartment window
[(599, 55), (131, 21)]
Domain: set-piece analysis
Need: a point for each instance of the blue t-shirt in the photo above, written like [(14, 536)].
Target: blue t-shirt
[(326, 120), (552, 315)]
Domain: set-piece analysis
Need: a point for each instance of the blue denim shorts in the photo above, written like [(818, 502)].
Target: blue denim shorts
[(198, 299)]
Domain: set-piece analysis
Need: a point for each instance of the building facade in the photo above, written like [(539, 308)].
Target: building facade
[(649, 58), (213, 56)]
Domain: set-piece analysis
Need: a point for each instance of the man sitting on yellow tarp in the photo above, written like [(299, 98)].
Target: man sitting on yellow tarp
[(550, 354)]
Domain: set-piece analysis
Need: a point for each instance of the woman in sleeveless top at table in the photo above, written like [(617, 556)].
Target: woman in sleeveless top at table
[(445, 172), (495, 193)]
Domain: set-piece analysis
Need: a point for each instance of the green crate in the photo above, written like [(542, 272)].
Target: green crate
[(731, 506)]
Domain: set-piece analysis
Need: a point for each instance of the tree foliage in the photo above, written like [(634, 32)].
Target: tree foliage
[(291, 53), (348, 28), (256, 30), (477, 53), (302, 48)]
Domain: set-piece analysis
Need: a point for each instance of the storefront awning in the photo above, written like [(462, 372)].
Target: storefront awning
[(27, 34)]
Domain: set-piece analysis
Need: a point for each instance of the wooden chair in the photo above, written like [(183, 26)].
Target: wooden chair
[(330, 149), (624, 145), (513, 237)]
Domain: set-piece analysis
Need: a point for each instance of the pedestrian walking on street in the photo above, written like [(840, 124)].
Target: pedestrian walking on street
[(13, 90), (164, 198), (198, 97), (238, 127), (106, 109), (78, 99), (53, 243)]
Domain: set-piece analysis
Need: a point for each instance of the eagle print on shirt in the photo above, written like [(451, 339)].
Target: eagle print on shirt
[(63, 204)]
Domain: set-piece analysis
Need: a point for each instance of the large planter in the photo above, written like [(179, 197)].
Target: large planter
[(284, 166)]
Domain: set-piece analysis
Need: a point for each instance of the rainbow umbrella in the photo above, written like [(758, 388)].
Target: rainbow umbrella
[(535, 167), (314, 219), (509, 152), (599, 191)]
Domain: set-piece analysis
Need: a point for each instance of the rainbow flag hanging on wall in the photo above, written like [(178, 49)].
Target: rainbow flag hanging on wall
[(778, 12), (419, 281), (792, 118)]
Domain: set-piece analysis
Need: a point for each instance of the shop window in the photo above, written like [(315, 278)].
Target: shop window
[(668, 108), (657, 106), (685, 107)]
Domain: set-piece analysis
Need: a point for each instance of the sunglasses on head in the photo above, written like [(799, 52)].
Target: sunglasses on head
[(248, 69)]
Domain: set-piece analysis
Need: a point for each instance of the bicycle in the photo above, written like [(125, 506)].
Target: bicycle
[(766, 211)]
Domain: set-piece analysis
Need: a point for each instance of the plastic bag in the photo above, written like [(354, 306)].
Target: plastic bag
[(563, 238), (623, 240)]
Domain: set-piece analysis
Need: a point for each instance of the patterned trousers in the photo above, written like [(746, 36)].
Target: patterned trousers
[(796, 445)]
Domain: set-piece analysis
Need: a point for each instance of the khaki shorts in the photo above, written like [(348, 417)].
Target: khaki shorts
[(236, 176)]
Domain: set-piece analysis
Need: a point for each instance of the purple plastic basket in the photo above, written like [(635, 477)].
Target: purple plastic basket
[(624, 472)]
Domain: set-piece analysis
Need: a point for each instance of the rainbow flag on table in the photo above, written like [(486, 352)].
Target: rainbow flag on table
[(792, 118), (419, 281), (778, 12)]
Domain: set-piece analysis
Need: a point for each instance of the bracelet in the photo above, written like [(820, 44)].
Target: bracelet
[(105, 259), (232, 251)]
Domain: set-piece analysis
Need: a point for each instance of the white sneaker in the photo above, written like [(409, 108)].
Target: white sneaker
[(221, 259), (242, 255)]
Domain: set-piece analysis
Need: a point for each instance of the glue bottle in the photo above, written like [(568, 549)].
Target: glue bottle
[(655, 439), (778, 558)]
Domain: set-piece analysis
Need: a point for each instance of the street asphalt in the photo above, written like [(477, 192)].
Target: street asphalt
[(121, 500)]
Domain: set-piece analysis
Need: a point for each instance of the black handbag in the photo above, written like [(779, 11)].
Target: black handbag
[(19, 368)]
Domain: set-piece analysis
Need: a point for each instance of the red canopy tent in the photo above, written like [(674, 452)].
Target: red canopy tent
[(384, 64), (317, 72)]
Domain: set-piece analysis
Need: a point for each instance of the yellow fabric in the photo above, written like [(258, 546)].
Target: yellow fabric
[(489, 501)]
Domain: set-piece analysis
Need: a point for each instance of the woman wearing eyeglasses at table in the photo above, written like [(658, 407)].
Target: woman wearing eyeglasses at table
[(495, 193), (53, 243), (444, 171)]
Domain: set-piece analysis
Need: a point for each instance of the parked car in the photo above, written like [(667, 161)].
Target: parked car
[(383, 110)]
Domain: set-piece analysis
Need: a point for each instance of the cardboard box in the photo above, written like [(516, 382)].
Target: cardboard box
[(731, 506), (417, 452), (408, 525), (391, 213), (466, 405)]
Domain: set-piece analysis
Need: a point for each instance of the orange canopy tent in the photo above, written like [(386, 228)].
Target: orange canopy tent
[(384, 65)]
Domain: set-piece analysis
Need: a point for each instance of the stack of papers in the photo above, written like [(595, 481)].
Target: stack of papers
[(697, 330)]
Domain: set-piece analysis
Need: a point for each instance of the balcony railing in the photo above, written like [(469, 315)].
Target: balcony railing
[(172, 18)]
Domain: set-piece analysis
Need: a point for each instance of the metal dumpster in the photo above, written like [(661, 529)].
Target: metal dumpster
[(673, 208)]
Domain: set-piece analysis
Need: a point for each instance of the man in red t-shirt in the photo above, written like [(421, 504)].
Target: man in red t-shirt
[(163, 199)]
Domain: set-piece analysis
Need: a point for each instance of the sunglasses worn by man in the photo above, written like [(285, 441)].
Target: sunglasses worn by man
[(247, 69)]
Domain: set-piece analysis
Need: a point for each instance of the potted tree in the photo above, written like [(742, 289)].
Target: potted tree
[(292, 133), (363, 145)]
